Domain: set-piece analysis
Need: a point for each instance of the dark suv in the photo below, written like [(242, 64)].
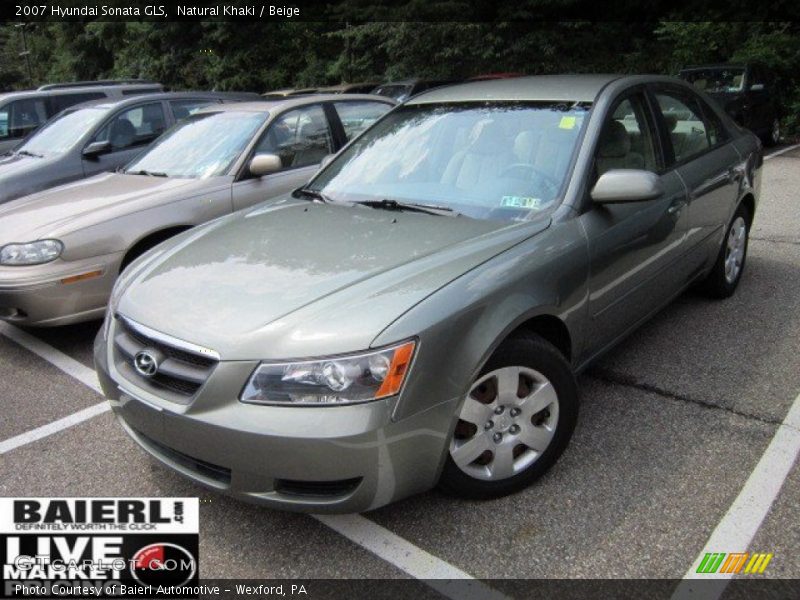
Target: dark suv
[(21, 113), (747, 92)]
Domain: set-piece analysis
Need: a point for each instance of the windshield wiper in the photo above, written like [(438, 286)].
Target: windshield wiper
[(429, 209), (309, 193), (148, 173), (29, 153)]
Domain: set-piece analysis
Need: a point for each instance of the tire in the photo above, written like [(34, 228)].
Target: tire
[(773, 136), (546, 413), (723, 279)]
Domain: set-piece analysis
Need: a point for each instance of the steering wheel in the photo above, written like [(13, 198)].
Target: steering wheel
[(528, 172)]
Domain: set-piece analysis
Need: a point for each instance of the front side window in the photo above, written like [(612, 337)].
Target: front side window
[(683, 117), (63, 132), (203, 145), (358, 116), (133, 127), (62, 101), (21, 117), (300, 137), (626, 141), (496, 160)]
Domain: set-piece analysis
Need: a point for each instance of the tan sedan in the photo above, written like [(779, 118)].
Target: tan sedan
[(61, 250)]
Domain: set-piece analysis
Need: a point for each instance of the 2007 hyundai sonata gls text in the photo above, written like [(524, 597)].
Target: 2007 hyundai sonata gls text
[(415, 315)]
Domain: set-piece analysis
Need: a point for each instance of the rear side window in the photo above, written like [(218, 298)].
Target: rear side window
[(134, 127), (21, 117), (689, 132), (182, 109), (62, 101), (357, 116)]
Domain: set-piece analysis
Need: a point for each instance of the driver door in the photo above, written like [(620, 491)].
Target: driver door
[(301, 138), (634, 247)]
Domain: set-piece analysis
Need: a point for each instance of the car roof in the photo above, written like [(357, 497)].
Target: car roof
[(115, 102), (79, 89), (292, 101), (714, 66), (547, 88)]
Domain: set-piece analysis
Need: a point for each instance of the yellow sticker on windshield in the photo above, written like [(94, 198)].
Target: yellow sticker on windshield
[(567, 122)]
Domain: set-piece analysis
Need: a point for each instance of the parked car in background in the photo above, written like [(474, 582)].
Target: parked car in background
[(77, 238), (747, 92), (95, 137), (364, 87), (285, 93), (21, 113), (403, 90), (417, 313)]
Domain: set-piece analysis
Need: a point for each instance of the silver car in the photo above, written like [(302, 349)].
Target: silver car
[(416, 315), (21, 113), (62, 249), (96, 137)]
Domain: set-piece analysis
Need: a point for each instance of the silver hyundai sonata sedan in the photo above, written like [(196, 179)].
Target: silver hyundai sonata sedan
[(416, 314)]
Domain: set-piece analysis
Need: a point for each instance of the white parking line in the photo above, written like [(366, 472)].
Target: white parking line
[(58, 359), (782, 151), (440, 575), (54, 427), (738, 527), (402, 554)]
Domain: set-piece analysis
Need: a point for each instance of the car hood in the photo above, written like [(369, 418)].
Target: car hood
[(300, 279), (16, 171), (71, 207)]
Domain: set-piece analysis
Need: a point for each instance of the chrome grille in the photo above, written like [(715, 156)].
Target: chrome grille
[(182, 371)]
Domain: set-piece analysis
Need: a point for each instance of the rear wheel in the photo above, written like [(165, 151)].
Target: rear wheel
[(515, 422), (773, 136), (727, 271)]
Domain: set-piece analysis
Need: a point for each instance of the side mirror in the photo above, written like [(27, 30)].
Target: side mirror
[(95, 149), (757, 87), (627, 185), (326, 160), (264, 164)]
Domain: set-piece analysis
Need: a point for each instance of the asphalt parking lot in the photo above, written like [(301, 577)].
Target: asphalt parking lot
[(673, 424)]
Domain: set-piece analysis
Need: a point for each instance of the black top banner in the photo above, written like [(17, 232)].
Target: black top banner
[(362, 11)]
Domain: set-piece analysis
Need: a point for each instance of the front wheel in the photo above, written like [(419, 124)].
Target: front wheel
[(515, 421)]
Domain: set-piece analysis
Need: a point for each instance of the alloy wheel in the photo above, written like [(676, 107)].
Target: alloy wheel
[(775, 132), (507, 421), (734, 250)]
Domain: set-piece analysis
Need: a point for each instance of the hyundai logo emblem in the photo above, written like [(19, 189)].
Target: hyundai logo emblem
[(145, 363)]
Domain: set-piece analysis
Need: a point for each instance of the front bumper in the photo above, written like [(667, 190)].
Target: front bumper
[(331, 459), (36, 295)]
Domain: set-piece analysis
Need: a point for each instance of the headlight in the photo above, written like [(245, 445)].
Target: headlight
[(33, 253), (113, 302), (336, 380)]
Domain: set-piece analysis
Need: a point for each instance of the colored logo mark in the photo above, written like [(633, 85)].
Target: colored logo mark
[(734, 562)]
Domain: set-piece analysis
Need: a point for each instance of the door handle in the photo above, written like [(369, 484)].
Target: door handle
[(675, 208), (734, 174)]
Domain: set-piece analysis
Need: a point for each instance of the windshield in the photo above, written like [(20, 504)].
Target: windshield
[(204, 145), (492, 161), (62, 133), (716, 80)]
